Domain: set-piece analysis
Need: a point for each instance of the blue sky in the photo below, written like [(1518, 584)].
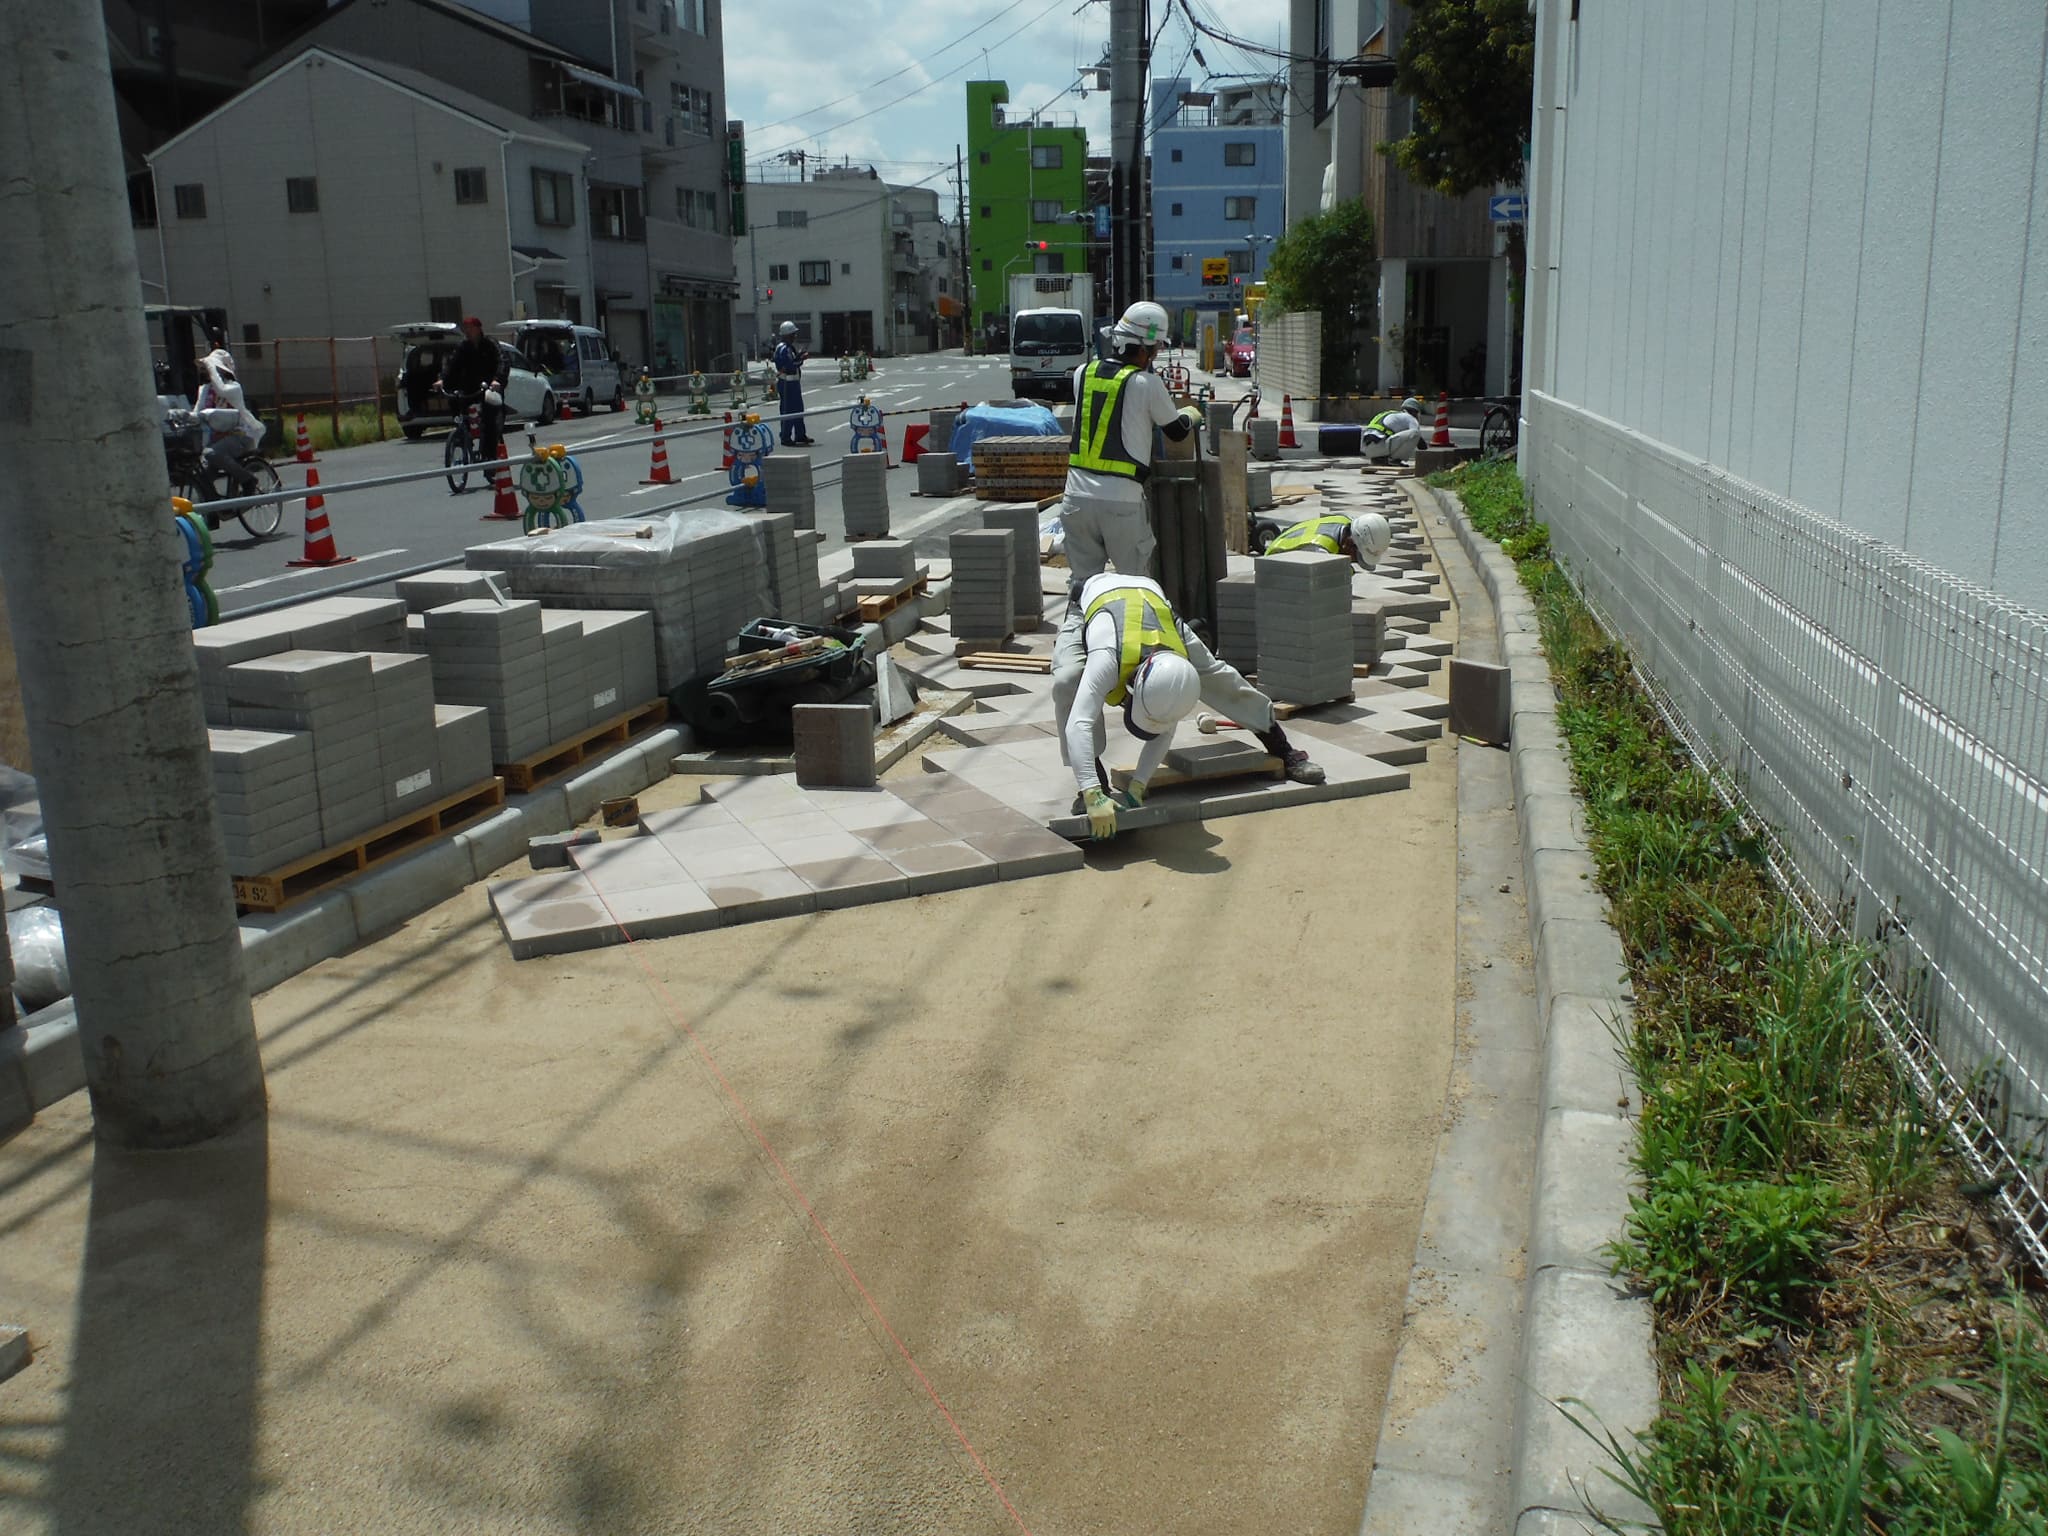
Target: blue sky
[(904, 64)]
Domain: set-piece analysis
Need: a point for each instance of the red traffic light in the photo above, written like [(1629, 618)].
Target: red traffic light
[(1037, 245), (771, 293)]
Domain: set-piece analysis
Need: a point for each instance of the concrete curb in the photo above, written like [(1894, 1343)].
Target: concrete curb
[(1585, 1339)]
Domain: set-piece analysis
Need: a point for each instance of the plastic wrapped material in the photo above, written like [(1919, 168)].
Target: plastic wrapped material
[(42, 975), (28, 859), (979, 421)]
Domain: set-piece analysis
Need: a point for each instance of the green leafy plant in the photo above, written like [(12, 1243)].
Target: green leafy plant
[(1329, 262)]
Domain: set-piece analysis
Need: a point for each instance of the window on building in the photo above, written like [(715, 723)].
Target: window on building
[(302, 194), (1045, 210), (846, 269), (142, 201), (1176, 263), (470, 185), (987, 212), (1176, 210), (616, 213), (814, 274), (1176, 157), (1241, 209), (779, 272), (190, 199), (942, 286), (1240, 154), (446, 310), (691, 106), (554, 199), (1049, 261), (1240, 261), (252, 335), (697, 209), (1048, 157), (984, 157), (987, 264), (792, 218)]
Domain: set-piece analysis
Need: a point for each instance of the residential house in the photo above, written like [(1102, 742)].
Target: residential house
[(1218, 190), (1026, 184)]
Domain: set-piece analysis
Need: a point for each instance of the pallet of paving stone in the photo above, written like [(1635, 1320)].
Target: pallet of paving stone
[(536, 769), (1019, 468), (276, 889), (874, 609), (1287, 709)]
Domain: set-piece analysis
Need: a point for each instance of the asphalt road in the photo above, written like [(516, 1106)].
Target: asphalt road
[(395, 529)]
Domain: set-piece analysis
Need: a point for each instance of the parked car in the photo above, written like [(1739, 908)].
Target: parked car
[(528, 396), (577, 361), (1243, 353)]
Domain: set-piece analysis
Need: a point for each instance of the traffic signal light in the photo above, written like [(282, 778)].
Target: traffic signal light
[(771, 293), (1037, 245)]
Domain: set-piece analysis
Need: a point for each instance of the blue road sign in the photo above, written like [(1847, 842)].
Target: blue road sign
[(1102, 221), (1508, 208)]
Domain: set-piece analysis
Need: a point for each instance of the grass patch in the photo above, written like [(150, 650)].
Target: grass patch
[(1844, 1345), (357, 423)]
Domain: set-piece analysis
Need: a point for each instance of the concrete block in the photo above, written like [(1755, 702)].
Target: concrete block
[(551, 849), (1586, 1339), (276, 946), (761, 895), (1583, 1068), (834, 744), (1479, 701), (1024, 853), (1583, 1183), (383, 898), (944, 866), (852, 882), (496, 841), (1561, 885), (1579, 957), (1402, 1503), (1549, 820)]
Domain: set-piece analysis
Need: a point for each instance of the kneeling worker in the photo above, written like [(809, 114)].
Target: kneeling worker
[(1122, 644), (1363, 538), (1391, 436), (1117, 403)]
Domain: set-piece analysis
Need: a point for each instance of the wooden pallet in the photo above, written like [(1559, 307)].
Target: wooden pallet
[(552, 762), (279, 888), (873, 610), (1287, 709), (1004, 661)]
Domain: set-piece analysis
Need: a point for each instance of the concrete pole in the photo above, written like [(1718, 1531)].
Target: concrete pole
[(90, 560), (1127, 38)]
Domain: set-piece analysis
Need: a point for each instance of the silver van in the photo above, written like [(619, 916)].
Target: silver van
[(576, 360)]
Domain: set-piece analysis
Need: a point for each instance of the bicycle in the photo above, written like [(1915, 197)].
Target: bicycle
[(1501, 429), (199, 483), (465, 447)]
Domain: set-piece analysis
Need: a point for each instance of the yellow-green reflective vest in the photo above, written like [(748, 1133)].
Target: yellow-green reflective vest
[(1098, 440), (1147, 625), (1326, 532)]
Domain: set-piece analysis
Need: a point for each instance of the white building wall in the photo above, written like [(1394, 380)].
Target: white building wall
[(847, 225), (1798, 242)]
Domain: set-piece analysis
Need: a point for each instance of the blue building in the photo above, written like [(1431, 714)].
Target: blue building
[(1219, 181)]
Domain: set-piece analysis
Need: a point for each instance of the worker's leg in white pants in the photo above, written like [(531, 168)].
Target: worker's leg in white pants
[(1372, 446), (1099, 533), (1401, 446), (1069, 660), (1223, 686)]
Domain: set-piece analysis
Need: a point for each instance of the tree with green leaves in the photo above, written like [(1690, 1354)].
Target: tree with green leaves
[(1330, 263), (1470, 66)]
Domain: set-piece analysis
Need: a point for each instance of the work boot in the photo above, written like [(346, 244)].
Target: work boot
[(1293, 760)]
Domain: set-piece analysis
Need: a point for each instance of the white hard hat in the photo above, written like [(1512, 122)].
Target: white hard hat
[(1163, 689), (1144, 324), (1412, 406), (1372, 534), (787, 328)]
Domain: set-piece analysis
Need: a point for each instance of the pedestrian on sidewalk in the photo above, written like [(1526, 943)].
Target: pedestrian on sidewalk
[(789, 387), (1117, 403), (1391, 436)]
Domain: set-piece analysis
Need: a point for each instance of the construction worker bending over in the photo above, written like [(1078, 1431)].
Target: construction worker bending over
[(1117, 403), (1122, 644), (1391, 436), (1363, 538)]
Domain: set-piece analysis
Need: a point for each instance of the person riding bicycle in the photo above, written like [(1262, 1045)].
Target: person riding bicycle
[(233, 432), (474, 374)]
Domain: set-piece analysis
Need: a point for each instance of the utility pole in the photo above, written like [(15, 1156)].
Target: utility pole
[(1128, 24), (110, 684), (960, 239)]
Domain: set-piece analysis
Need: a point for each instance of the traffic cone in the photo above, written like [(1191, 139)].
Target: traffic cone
[(319, 539), (504, 505), (1441, 437), (727, 464), (568, 410), (304, 455), (657, 472), (1287, 437)]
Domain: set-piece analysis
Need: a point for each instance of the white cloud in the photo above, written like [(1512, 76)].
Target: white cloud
[(785, 59)]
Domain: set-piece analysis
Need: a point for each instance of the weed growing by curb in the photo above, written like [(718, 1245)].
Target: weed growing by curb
[(1844, 1346)]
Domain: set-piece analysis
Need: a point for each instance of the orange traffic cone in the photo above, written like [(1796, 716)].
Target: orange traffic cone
[(304, 453), (504, 505), (728, 442), (1441, 437), (567, 410), (319, 540), (657, 472), (1287, 437)]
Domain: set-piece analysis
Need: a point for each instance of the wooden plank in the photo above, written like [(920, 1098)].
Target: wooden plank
[(279, 888), (1004, 661)]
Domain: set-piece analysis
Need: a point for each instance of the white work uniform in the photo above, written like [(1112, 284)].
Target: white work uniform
[(1402, 433), (1103, 516), (1086, 662)]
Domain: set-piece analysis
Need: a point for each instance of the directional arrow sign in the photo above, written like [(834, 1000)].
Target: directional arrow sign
[(1508, 208)]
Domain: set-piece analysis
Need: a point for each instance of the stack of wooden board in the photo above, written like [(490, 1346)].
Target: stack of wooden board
[(1019, 468)]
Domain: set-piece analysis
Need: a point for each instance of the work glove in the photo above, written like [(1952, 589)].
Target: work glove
[(1133, 795), (493, 398), (1193, 413), (1101, 813)]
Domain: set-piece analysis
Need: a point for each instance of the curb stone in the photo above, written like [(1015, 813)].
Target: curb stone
[(1584, 1337)]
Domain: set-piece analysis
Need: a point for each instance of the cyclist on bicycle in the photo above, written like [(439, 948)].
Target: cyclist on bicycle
[(233, 432), (474, 374)]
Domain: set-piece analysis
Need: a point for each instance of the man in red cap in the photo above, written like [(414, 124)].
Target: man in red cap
[(474, 374)]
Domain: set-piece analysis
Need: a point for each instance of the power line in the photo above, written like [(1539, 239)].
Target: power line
[(894, 75)]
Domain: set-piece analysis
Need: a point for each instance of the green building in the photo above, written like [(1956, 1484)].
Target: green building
[(1026, 178)]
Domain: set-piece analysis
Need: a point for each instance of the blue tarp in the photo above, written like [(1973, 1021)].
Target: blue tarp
[(979, 421)]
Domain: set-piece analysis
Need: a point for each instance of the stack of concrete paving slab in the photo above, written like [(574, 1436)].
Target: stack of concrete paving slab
[(786, 480), (407, 752), (790, 594), (1258, 488), (1304, 626), (263, 791), (810, 586), (864, 495), (984, 583), (331, 695), (881, 567), (430, 589), (1020, 521), (940, 439), (1265, 432), (324, 624), (462, 745), (621, 659), (493, 656), (570, 662), (939, 474), (1237, 623)]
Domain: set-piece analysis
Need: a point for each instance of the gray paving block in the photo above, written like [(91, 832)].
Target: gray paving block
[(1582, 1188), (385, 897), (1578, 957), (885, 559), (1583, 1068), (1561, 884), (432, 589), (761, 896), (1401, 1503), (1588, 1340), (855, 881), (834, 744)]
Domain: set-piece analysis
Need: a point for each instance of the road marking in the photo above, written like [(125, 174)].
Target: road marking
[(650, 490), (314, 570)]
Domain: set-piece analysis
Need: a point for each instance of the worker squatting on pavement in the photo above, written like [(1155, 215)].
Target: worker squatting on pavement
[(1362, 539), (1122, 644), (1117, 403), (1391, 436), (789, 388)]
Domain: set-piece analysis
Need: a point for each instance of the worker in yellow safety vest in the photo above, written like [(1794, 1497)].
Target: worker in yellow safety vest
[(1392, 436), (1123, 645), (1117, 403), (1363, 538)]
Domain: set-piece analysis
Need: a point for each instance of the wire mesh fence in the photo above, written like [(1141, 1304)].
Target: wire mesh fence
[(1886, 721)]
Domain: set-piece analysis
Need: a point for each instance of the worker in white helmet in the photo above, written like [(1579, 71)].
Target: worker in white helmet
[(1117, 403), (789, 387), (1363, 538), (1123, 645), (1391, 436)]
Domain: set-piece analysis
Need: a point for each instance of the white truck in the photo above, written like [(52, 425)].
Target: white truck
[(1052, 316)]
